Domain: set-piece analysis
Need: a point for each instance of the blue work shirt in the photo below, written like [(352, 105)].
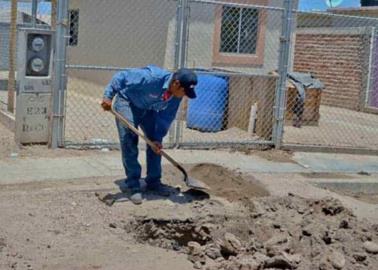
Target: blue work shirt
[(144, 88)]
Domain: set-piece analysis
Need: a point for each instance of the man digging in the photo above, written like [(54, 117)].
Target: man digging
[(149, 98)]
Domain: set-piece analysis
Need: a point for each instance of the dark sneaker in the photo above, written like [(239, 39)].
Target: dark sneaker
[(124, 187), (159, 189), (136, 197)]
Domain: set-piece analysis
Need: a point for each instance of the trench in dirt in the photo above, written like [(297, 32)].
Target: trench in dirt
[(261, 231)]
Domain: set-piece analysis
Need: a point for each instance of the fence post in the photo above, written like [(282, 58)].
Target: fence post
[(34, 12), (283, 68), (181, 52), (12, 56), (59, 81)]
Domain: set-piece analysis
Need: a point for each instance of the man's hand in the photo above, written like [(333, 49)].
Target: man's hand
[(157, 148), (106, 104)]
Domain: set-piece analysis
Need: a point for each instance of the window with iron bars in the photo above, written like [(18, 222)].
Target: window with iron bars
[(74, 27), (239, 30)]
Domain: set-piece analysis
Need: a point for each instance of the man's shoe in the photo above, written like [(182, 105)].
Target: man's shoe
[(136, 197), (159, 189), (124, 186)]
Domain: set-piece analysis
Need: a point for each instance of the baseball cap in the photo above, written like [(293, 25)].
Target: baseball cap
[(188, 80)]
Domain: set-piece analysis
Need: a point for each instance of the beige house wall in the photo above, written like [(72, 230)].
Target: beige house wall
[(120, 33), (140, 32)]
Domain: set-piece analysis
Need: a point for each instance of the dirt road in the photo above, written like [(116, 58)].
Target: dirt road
[(62, 225)]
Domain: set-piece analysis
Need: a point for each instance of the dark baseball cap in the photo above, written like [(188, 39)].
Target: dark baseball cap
[(188, 80)]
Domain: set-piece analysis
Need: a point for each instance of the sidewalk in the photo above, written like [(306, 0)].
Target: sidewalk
[(20, 170)]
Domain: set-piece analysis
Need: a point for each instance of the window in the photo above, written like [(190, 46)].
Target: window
[(239, 36), (239, 30), (74, 27)]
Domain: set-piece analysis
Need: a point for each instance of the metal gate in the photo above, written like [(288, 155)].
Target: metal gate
[(235, 42), (242, 52)]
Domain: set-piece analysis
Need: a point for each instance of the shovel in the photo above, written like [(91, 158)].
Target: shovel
[(190, 182)]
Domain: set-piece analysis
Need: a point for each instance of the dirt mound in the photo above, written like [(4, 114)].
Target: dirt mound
[(227, 184), (280, 233)]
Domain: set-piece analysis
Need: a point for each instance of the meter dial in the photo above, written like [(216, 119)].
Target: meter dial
[(37, 65), (38, 44)]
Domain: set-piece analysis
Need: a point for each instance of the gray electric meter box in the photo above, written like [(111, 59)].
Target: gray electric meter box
[(34, 78)]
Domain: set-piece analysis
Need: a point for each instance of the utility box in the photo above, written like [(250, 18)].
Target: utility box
[(34, 78)]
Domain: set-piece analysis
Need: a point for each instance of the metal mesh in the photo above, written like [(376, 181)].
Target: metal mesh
[(234, 48), (340, 51), (134, 34)]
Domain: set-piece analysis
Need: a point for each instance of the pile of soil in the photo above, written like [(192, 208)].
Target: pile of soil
[(280, 233), (233, 186)]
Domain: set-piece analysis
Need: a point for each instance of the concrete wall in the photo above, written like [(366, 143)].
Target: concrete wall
[(121, 33), (201, 38), (139, 32), (4, 46)]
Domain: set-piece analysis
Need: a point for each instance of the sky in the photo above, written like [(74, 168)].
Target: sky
[(308, 5), (305, 5)]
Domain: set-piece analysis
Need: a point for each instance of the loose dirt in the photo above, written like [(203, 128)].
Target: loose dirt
[(63, 225), (233, 186)]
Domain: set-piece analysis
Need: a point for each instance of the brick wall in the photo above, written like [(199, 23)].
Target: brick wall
[(337, 60)]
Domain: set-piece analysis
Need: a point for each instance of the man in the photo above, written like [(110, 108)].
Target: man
[(148, 97)]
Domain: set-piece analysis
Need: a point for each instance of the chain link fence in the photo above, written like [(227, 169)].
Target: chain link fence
[(105, 37), (235, 49), (241, 51), (332, 96)]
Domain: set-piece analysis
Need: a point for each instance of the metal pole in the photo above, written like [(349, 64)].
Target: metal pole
[(181, 46), (59, 83), (12, 56), (370, 67), (284, 58), (53, 14), (34, 12)]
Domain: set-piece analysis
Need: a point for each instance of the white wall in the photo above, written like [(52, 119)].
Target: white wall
[(139, 32)]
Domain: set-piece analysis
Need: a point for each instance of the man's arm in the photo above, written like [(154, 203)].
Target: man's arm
[(121, 80)]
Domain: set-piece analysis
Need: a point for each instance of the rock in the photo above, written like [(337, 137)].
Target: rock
[(233, 240), (276, 244), (113, 225), (279, 262), (196, 253), (363, 173), (272, 251), (260, 258), (344, 224), (324, 265), (327, 237), (247, 262), (209, 227), (277, 239), (230, 245), (336, 259), (197, 265), (213, 252), (331, 206), (371, 247), (194, 248), (294, 259), (359, 257)]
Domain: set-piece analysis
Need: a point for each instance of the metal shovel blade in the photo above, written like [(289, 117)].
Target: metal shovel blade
[(196, 184)]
